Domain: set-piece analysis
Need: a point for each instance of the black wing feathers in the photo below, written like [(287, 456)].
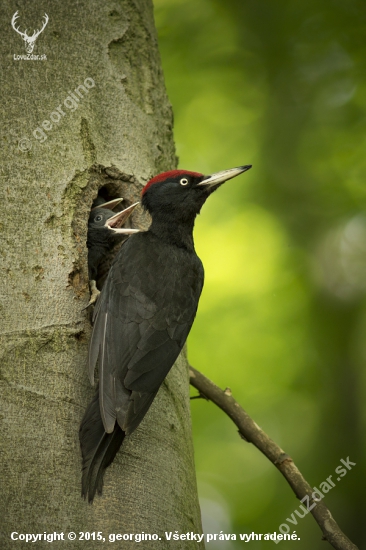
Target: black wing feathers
[(98, 449), (142, 320)]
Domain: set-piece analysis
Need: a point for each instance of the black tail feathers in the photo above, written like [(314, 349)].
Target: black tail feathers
[(98, 449)]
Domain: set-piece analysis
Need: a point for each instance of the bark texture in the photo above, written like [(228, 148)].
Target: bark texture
[(118, 135)]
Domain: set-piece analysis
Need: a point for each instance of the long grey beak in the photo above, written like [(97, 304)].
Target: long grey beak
[(224, 175), (115, 222), (109, 205)]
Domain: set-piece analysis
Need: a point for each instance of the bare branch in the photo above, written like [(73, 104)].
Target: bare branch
[(252, 433)]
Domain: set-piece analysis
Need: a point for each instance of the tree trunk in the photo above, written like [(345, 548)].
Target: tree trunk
[(60, 144)]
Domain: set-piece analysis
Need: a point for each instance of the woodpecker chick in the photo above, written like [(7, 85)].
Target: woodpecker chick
[(104, 230)]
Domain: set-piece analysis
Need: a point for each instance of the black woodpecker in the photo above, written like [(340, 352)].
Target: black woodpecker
[(104, 230), (143, 315)]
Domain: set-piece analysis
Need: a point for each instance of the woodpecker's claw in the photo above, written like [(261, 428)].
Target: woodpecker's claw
[(94, 294)]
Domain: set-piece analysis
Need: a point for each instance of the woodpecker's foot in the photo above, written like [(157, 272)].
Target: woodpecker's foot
[(94, 294)]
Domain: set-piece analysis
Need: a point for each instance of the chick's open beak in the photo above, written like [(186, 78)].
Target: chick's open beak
[(115, 222)]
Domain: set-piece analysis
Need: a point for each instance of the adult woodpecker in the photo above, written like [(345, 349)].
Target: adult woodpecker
[(104, 229), (143, 316)]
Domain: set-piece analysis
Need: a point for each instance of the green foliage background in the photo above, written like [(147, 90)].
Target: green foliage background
[(282, 319)]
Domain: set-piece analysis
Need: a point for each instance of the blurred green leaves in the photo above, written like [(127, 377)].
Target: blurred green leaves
[(280, 85)]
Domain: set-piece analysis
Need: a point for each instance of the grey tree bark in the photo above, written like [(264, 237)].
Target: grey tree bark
[(60, 143)]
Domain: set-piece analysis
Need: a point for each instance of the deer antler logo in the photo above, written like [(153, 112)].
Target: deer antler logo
[(29, 40)]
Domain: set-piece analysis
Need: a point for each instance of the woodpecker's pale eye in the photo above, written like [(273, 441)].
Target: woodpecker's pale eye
[(98, 218), (184, 181)]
